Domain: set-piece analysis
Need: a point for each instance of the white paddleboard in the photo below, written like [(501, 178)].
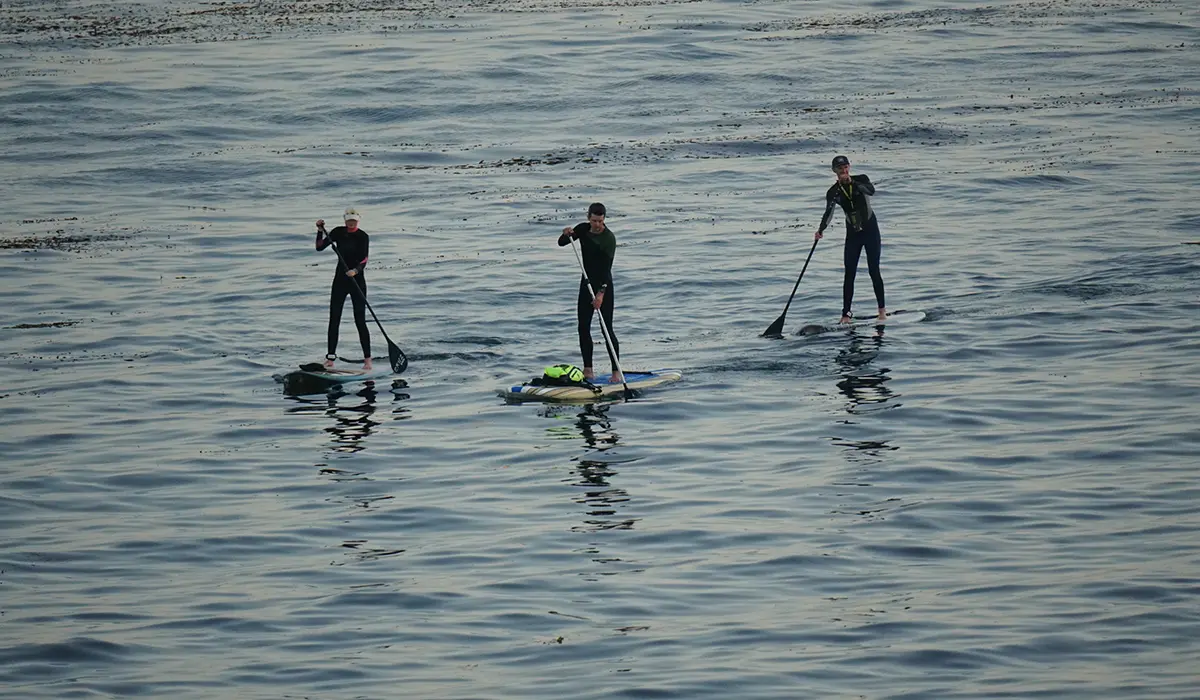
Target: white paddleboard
[(604, 390), (347, 374)]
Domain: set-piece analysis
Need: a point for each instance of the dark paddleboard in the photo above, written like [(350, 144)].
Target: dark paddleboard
[(314, 377)]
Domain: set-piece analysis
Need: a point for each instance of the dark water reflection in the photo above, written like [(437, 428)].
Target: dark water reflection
[(601, 500), (863, 381), (354, 420), (593, 473)]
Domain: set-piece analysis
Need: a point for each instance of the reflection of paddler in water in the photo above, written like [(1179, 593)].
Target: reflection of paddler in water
[(353, 422), (862, 382), (591, 423), (596, 428), (600, 498)]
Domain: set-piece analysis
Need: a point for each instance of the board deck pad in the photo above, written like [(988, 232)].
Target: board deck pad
[(901, 316), (635, 380)]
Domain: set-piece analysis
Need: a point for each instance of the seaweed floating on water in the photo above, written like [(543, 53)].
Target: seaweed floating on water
[(48, 324), (60, 240)]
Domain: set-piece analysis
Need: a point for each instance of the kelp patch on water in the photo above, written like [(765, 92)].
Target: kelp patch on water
[(47, 324), (1039, 12), (159, 23), (61, 240)]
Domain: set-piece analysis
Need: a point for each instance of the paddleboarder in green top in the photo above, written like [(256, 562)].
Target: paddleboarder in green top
[(853, 193), (599, 247)]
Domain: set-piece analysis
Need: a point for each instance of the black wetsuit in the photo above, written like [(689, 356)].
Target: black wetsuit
[(862, 231), (353, 248), (598, 252)]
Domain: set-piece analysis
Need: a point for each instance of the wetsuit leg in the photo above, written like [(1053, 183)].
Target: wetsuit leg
[(850, 254), (337, 299), (584, 311), (874, 244), (606, 312), (360, 312)]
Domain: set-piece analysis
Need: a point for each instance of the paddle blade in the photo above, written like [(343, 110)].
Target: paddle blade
[(775, 330), (397, 358)]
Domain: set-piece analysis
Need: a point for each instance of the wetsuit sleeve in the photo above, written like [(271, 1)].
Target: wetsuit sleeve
[(830, 201), (366, 249), (565, 239), (864, 183), (334, 236)]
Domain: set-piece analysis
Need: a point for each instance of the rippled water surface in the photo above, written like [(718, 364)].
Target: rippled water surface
[(999, 500)]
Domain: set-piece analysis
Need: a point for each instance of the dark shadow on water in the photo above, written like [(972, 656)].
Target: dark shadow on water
[(353, 410)]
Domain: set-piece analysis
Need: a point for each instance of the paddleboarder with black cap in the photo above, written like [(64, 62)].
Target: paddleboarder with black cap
[(853, 193)]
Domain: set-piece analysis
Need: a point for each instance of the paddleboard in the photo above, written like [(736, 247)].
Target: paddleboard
[(901, 316), (635, 380), (344, 374), (314, 376)]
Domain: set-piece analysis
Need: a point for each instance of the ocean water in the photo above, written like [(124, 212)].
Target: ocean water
[(999, 500)]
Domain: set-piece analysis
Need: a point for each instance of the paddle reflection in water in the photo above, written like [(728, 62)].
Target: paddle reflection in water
[(354, 420)]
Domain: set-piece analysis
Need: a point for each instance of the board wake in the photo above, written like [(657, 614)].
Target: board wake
[(635, 380), (896, 317)]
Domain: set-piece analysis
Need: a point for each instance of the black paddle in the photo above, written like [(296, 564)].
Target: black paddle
[(775, 330), (395, 355), (603, 326)]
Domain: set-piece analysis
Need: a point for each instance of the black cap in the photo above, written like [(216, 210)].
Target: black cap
[(839, 161)]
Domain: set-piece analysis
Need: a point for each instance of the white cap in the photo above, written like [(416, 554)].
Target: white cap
[(352, 213)]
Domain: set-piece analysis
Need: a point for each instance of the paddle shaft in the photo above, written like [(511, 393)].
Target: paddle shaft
[(775, 330), (398, 353), (603, 325), (797, 285)]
